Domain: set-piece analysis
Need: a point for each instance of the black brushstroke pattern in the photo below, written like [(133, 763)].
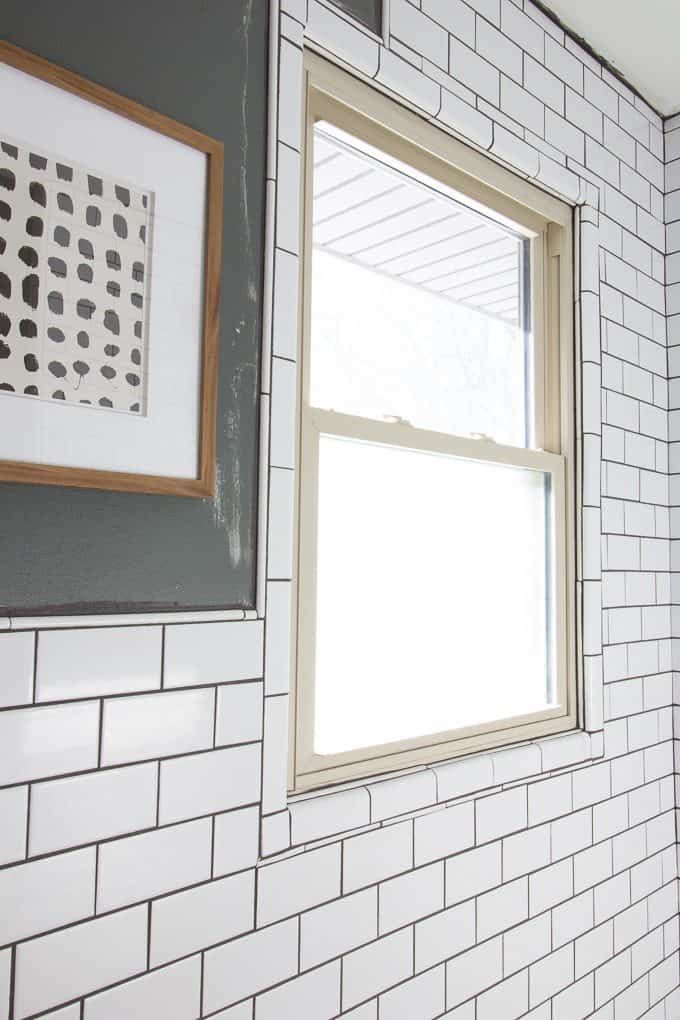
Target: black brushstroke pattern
[(28, 329), (28, 256), (38, 193), (30, 289)]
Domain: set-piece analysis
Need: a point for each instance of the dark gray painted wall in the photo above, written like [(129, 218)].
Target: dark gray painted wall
[(202, 62)]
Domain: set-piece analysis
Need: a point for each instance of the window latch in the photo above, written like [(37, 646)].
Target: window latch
[(396, 419)]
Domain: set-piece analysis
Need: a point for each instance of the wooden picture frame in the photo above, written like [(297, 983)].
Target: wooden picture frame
[(202, 485)]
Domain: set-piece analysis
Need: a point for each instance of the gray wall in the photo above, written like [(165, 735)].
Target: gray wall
[(202, 62)]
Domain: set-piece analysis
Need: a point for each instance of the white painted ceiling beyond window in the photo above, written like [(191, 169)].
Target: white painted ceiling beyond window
[(380, 218), (640, 38)]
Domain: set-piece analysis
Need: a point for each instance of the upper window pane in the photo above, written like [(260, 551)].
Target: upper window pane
[(419, 302), (368, 12)]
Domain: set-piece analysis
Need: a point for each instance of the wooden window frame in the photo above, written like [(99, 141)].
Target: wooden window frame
[(361, 110)]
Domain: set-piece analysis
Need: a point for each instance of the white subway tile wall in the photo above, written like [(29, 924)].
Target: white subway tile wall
[(150, 863)]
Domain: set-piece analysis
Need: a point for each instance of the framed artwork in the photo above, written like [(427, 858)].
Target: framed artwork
[(110, 235)]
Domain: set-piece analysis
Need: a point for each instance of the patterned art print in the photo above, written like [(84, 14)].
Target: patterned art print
[(75, 252)]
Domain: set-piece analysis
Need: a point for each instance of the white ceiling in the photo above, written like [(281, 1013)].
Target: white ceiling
[(641, 38), (386, 221)]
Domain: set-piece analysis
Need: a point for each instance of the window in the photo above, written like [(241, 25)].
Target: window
[(368, 12), (435, 596)]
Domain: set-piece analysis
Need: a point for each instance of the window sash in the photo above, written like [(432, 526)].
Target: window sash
[(312, 767)]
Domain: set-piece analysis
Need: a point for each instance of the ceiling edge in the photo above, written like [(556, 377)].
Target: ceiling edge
[(584, 44)]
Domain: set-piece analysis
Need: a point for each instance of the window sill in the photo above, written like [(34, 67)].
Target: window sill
[(320, 815)]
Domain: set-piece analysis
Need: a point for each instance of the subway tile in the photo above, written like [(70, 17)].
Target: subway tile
[(475, 72), (84, 809), (500, 51), (461, 778), (408, 24), (576, 1001), (329, 813), (398, 796), (630, 925), (444, 935), (612, 977), (453, 15), (139, 867), (377, 967), (338, 927), (611, 897), (243, 1011), (526, 943), (277, 654), (591, 785), (526, 851), (157, 725), (522, 30), (236, 841), (511, 763), (202, 784), (500, 814), (507, 1001), (471, 972), (522, 106), (274, 755), (342, 38), (71, 1012), (443, 833), (409, 897), (212, 653), (48, 740), (239, 713), (288, 213), (290, 95), (97, 661), (501, 908), (298, 883), (422, 996), (189, 921), (315, 996), (550, 799), (592, 866), (377, 855), (13, 826), (550, 886), (280, 524), (283, 435), (550, 975), (275, 833), (16, 675), (250, 964), (572, 833), (593, 948), (172, 992), (573, 918), (78, 960), (408, 81), (474, 126), (45, 894), (473, 872)]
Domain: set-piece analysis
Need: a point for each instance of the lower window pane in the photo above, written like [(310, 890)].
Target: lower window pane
[(433, 594)]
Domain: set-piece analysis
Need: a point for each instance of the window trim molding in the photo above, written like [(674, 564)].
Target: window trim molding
[(297, 29), (331, 94)]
